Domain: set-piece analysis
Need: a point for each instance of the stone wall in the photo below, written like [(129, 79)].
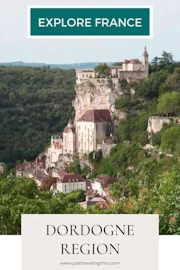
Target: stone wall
[(130, 75)]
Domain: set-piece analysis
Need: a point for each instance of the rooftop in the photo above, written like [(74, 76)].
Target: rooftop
[(96, 116), (71, 177), (105, 180)]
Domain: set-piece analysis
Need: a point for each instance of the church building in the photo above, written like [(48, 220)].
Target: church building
[(91, 129)]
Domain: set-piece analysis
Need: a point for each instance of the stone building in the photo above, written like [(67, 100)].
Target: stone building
[(91, 129), (54, 151), (69, 139), (102, 184), (132, 69), (68, 182)]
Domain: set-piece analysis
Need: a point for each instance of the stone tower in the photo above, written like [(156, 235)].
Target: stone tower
[(69, 139), (145, 61)]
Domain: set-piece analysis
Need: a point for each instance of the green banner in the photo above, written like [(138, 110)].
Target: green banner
[(89, 22)]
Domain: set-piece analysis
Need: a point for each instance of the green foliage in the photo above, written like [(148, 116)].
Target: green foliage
[(120, 159), (169, 103), (165, 62), (75, 167), (172, 82), (149, 89), (126, 103), (34, 104), (170, 139), (95, 157), (21, 196), (102, 70)]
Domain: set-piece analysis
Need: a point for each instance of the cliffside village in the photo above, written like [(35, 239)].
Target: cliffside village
[(92, 130)]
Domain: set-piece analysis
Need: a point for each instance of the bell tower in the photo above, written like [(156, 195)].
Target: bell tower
[(145, 61)]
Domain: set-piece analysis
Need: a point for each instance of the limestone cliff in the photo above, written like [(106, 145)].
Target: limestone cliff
[(97, 94)]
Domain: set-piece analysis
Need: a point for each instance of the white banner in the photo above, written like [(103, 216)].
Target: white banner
[(89, 242)]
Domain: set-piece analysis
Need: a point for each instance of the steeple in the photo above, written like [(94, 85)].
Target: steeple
[(145, 61), (70, 123), (145, 53)]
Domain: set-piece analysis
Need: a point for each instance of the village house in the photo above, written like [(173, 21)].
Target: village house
[(54, 151), (39, 176), (20, 168), (68, 182), (95, 200), (102, 184), (132, 69)]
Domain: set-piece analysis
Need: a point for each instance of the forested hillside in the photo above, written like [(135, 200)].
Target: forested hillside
[(149, 178), (34, 103)]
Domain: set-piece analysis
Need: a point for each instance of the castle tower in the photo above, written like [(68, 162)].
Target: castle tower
[(69, 139), (145, 61)]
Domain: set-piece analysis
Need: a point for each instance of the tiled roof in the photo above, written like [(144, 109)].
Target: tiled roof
[(132, 61), (24, 165), (105, 180), (39, 175), (91, 192), (71, 177), (96, 116), (62, 173), (69, 129), (87, 70)]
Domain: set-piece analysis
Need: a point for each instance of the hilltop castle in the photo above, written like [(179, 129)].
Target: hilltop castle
[(132, 69), (94, 105)]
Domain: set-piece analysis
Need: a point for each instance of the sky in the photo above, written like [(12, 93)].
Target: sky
[(15, 46)]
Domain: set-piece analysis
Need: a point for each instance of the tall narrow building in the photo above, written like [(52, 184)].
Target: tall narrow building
[(145, 62), (69, 139)]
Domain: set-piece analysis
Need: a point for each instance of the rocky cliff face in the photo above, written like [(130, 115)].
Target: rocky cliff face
[(97, 94)]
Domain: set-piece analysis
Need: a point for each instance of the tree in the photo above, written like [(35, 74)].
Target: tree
[(165, 61), (170, 139), (21, 196), (117, 64), (169, 103), (149, 89), (102, 70)]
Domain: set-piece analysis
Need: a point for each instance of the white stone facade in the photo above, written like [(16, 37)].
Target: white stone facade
[(69, 139), (85, 137), (98, 187), (54, 151), (72, 186)]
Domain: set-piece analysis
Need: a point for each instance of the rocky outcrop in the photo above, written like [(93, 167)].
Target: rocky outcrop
[(156, 123), (97, 94)]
